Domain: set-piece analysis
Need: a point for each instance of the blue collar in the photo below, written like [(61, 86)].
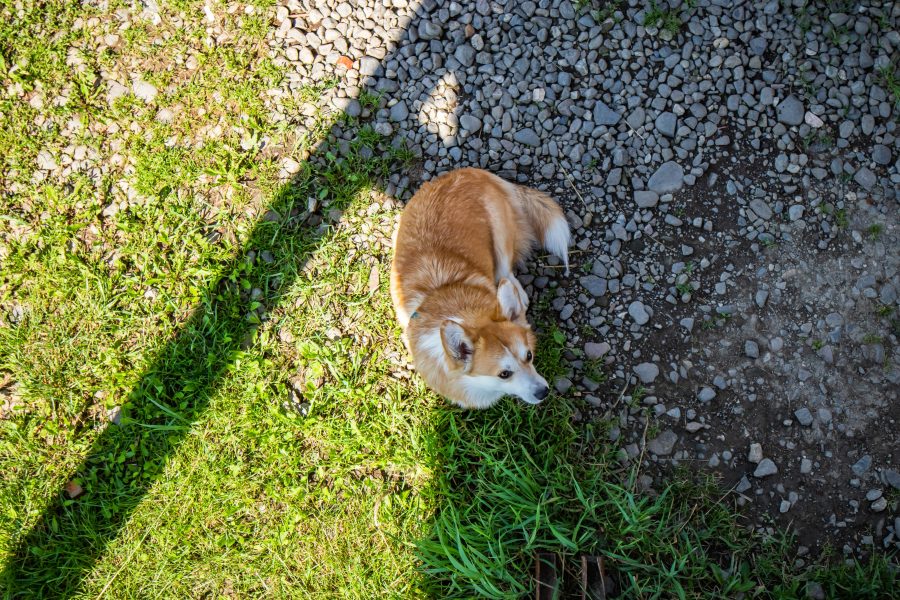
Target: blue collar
[(415, 315)]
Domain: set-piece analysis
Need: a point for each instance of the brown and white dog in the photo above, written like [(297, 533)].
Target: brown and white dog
[(460, 306)]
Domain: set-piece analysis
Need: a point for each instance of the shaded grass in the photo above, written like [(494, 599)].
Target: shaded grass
[(269, 443), (518, 481)]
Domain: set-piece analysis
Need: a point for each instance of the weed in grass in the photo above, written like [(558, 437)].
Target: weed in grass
[(818, 141), (885, 310), (818, 345), (891, 80), (840, 218), (875, 231), (593, 370), (518, 484), (662, 19), (872, 338), (548, 359)]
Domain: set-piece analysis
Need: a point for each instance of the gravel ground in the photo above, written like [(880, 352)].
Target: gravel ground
[(732, 183)]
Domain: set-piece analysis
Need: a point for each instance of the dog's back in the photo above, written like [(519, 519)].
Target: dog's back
[(469, 226), (461, 308)]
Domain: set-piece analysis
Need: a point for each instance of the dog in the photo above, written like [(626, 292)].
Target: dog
[(459, 304)]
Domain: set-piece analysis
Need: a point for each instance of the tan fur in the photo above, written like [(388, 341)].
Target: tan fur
[(460, 237)]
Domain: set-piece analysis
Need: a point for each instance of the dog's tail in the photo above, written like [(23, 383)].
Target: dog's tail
[(547, 222)]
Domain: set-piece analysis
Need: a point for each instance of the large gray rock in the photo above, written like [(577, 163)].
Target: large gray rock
[(596, 286), (765, 468), (647, 372), (604, 115), (663, 444), (646, 199), (638, 312), (790, 111), (666, 124), (668, 178), (528, 137)]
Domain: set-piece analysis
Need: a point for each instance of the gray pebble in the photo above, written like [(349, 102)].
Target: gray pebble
[(765, 468), (668, 178), (804, 416), (664, 443), (638, 312), (647, 372), (790, 111)]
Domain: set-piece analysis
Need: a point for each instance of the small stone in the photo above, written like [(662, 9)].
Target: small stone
[(636, 119), (646, 199), (891, 478), (756, 454), (290, 165), (116, 90), (813, 120), (751, 349), (790, 111), (784, 507), (528, 137), (804, 416), (114, 415), (765, 468), (805, 466), (663, 444), (761, 209), (865, 178), (646, 372), (596, 286), (429, 30), (743, 485), (73, 489), (761, 297), (45, 161), (469, 124), (465, 54), (861, 466), (604, 115), (144, 90), (706, 394), (668, 178), (593, 350), (399, 112), (881, 154), (638, 312), (795, 212), (873, 495), (879, 505), (814, 591), (666, 124)]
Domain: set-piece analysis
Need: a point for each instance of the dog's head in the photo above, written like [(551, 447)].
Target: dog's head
[(496, 356)]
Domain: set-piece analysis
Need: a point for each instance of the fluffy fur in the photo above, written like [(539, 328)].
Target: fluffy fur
[(454, 290)]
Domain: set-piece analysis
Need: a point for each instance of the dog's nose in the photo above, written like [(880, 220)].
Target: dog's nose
[(541, 393)]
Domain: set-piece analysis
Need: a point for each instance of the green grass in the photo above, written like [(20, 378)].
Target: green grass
[(269, 442), (663, 19), (875, 230)]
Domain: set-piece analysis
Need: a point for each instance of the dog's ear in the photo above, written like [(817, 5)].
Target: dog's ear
[(513, 302), (457, 343)]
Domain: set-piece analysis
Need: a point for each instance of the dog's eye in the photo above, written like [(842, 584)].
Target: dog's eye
[(505, 374), (529, 356)]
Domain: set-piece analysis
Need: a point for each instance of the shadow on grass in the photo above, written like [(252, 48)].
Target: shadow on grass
[(519, 480), (52, 559)]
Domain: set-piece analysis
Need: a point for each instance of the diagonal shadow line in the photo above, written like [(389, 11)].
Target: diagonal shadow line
[(57, 553), (124, 462)]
